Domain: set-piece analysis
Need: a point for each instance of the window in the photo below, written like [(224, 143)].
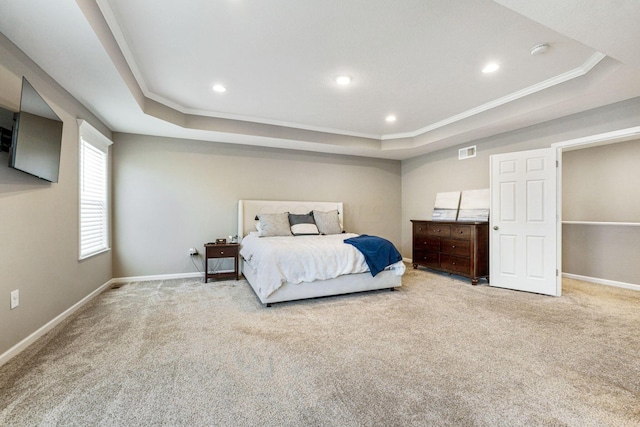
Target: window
[(94, 199)]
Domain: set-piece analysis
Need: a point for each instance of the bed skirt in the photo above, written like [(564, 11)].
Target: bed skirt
[(340, 285)]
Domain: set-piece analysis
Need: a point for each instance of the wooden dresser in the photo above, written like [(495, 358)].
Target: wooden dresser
[(453, 247)]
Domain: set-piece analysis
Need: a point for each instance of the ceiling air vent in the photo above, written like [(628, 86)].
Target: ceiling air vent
[(466, 153)]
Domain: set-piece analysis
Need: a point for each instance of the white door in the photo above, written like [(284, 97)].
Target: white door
[(524, 221)]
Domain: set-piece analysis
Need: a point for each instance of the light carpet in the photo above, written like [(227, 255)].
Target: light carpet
[(436, 352)]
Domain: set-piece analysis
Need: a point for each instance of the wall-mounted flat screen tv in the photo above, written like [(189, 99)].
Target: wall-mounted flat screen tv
[(37, 137)]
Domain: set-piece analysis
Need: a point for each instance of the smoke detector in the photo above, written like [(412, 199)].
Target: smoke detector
[(539, 49)]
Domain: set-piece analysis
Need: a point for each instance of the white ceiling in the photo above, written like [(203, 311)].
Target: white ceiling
[(147, 66)]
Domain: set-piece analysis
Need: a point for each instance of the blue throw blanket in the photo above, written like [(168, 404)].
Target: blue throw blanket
[(379, 253)]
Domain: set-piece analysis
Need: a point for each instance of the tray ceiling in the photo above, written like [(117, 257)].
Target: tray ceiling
[(148, 66)]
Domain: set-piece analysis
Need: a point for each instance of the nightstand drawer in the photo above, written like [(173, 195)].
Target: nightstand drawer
[(454, 264), (455, 247), (222, 252)]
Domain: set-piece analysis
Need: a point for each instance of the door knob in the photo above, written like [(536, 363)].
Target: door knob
[(495, 227)]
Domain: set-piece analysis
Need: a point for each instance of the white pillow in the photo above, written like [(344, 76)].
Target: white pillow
[(274, 225), (327, 222), (304, 229)]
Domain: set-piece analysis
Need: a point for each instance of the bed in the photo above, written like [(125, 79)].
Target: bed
[(273, 290)]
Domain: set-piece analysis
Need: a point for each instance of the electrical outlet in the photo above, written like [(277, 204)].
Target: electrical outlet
[(15, 299), (193, 251)]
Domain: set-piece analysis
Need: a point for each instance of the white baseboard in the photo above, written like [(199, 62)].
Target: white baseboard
[(163, 277), (13, 351), (156, 277), (407, 260), (602, 281)]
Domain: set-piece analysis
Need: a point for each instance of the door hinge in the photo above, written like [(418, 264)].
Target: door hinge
[(556, 272), (557, 164)]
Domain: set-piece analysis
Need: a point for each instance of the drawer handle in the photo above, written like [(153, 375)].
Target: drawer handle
[(221, 252), (461, 232), (437, 231), (453, 246), (453, 263)]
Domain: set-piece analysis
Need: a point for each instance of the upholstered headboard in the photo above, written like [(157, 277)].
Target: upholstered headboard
[(248, 209)]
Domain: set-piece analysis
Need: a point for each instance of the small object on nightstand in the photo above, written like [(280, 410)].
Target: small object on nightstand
[(221, 241)]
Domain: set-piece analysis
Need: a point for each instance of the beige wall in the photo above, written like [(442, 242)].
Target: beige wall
[(600, 184), (423, 177), (173, 194), (39, 220), (608, 252)]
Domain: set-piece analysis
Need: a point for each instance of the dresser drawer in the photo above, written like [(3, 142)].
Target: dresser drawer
[(428, 259), (454, 264), (426, 243), (461, 232), (455, 247), (420, 229), (442, 230)]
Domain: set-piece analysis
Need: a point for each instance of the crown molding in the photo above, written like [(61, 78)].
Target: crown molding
[(112, 22), (553, 81), (217, 115), (619, 135)]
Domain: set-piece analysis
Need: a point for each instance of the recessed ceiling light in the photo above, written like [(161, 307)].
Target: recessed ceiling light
[(343, 80), (219, 88), (391, 118), (490, 68)]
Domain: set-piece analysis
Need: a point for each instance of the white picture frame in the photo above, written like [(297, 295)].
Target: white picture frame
[(474, 205), (446, 206)]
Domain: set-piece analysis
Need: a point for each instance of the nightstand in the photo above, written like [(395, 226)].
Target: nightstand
[(221, 250)]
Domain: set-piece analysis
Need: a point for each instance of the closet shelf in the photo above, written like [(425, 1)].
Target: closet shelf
[(626, 224)]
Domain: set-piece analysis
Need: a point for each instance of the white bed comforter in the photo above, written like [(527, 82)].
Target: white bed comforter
[(298, 259)]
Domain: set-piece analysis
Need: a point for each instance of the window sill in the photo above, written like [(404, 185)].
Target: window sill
[(91, 255)]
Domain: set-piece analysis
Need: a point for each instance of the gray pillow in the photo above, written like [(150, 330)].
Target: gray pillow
[(303, 224), (274, 225), (327, 222)]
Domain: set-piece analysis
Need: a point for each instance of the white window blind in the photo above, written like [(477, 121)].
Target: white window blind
[(94, 200)]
